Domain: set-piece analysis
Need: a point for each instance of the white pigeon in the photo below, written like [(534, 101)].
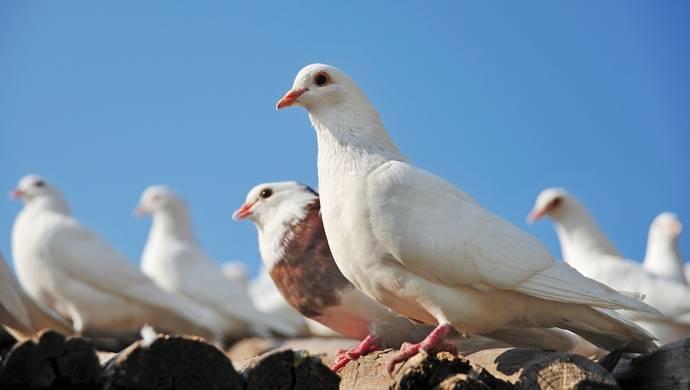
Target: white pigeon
[(586, 248), (663, 256), (20, 314), (294, 249), (427, 250), (173, 258), (67, 267)]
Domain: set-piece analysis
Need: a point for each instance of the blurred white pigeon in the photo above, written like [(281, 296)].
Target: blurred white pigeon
[(424, 248), (20, 314), (663, 256), (72, 270), (235, 271), (586, 248), (293, 246), (175, 261)]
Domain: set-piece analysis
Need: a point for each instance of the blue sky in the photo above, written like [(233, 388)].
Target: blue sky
[(501, 99)]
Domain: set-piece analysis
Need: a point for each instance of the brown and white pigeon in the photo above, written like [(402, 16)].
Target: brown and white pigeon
[(295, 252), (424, 248)]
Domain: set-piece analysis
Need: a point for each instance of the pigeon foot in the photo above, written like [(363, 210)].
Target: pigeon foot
[(369, 344), (432, 343)]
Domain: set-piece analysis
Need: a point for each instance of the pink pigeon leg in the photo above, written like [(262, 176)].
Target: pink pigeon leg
[(431, 343), (369, 344)]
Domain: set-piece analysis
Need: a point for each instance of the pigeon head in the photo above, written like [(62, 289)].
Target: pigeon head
[(552, 202), (158, 199), (33, 187), (666, 226), (279, 202), (337, 106), (319, 85)]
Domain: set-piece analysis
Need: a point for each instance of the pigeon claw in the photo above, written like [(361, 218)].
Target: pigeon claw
[(432, 343), (368, 345)]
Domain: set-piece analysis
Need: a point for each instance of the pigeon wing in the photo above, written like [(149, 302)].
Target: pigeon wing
[(438, 232)]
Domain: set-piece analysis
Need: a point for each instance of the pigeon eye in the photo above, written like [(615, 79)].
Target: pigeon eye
[(265, 193), (556, 202), (40, 184), (321, 79)]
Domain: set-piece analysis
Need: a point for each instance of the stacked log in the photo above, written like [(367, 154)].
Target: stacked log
[(50, 360)]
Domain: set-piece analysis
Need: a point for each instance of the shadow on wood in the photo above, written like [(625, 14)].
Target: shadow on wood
[(288, 370), (49, 360), (172, 363), (535, 369), (666, 368)]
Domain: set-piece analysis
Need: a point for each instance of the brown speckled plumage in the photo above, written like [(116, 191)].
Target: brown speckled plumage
[(307, 275)]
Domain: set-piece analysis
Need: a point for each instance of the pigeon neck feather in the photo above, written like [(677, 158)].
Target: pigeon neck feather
[(53, 203), (580, 236), (173, 221), (276, 231), (351, 139), (663, 258)]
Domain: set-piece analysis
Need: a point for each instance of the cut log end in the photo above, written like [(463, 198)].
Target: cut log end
[(49, 360), (666, 368), (172, 363), (535, 369), (288, 369), (423, 371)]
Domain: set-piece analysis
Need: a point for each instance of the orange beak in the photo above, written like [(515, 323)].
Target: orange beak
[(16, 194), (535, 215), (289, 98), (243, 212)]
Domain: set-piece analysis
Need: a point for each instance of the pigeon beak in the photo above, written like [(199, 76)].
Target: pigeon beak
[(17, 194), (290, 98), (535, 215), (677, 228), (140, 211), (243, 212)]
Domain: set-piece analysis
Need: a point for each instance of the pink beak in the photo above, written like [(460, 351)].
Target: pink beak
[(16, 194), (677, 228), (289, 98), (535, 215), (140, 211), (243, 212)]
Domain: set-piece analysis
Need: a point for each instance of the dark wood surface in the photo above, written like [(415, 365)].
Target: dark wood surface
[(172, 363), (50, 360), (288, 370), (666, 368)]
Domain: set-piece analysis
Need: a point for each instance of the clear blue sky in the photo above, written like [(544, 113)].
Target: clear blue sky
[(501, 99)]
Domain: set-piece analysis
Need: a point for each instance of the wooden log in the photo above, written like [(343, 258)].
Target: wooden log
[(536, 369), (172, 363), (440, 371), (666, 368), (48, 360), (6, 339), (288, 370), (323, 347)]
